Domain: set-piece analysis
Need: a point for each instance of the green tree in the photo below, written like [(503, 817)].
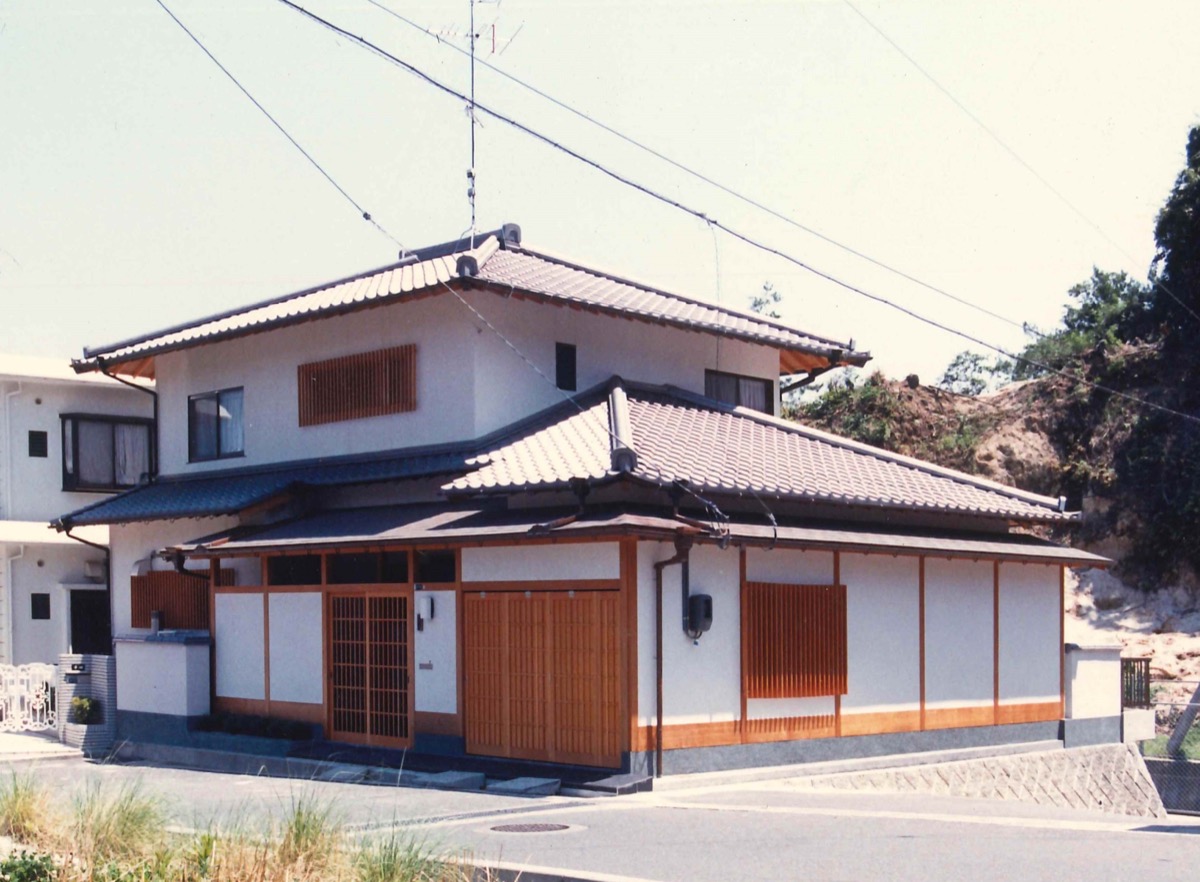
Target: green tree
[(1176, 264), (972, 374), (1108, 308), (765, 301)]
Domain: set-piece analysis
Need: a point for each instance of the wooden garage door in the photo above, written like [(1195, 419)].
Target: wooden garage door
[(370, 661), (542, 676)]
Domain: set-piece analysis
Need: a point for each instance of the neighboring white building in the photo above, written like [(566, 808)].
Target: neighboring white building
[(65, 439), (487, 500)]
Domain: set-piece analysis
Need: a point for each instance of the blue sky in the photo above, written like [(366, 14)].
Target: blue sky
[(139, 188)]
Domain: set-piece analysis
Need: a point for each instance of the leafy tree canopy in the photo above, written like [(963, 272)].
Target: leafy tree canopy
[(1177, 233)]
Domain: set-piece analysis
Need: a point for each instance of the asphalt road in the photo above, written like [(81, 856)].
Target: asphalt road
[(764, 831)]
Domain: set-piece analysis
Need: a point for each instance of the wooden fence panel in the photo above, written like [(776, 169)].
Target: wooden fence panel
[(182, 599)]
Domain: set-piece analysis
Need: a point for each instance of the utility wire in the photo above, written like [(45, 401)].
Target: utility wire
[(700, 176), (736, 234), (991, 133), (366, 215)]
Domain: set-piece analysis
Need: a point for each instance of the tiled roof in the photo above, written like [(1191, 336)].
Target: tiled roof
[(379, 525), (678, 436), (655, 434), (212, 495), (497, 260)]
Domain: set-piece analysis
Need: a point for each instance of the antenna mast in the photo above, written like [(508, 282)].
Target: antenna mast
[(471, 120)]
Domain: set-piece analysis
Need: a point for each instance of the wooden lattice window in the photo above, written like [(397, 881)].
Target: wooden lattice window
[(795, 639), (181, 598), (356, 386)]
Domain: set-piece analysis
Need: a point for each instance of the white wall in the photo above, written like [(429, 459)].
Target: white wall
[(42, 569), (586, 560), (435, 647), (36, 482), (701, 679), (958, 633), (265, 366), (238, 642), (605, 345), (883, 620), (789, 567), (296, 639), (162, 678), (469, 381), (1093, 681), (1029, 633)]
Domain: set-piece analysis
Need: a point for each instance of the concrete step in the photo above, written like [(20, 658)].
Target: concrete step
[(525, 787), (292, 767)]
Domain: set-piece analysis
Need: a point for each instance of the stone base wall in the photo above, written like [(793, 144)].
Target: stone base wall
[(1109, 778), (97, 680)]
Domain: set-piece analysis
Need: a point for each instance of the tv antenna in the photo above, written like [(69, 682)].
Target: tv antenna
[(473, 36)]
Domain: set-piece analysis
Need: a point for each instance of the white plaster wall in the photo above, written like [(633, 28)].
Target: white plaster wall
[(36, 482), (958, 633), (605, 345), (587, 560), (41, 570), (789, 566), (132, 546), (162, 678), (265, 366), (883, 620), (701, 679), (1029, 633), (776, 708), (295, 648), (437, 684), (239, 646), (1093, 682)]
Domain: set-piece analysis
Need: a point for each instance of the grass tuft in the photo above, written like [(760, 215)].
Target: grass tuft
[(24, 808), (120, 826)]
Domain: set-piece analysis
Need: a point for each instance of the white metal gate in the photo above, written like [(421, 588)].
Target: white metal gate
[(27, 698)]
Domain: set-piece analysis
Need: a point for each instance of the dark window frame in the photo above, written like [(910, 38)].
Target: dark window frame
[(768, 385), (214, 395), (39, 444), (566, 366), (70, 479)]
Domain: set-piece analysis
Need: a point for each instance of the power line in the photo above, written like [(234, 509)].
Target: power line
[(736, 234), (366, 215), (708, 180), (991, 133)]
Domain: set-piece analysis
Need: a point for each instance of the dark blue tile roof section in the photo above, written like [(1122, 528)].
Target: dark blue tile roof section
[(225, 493)]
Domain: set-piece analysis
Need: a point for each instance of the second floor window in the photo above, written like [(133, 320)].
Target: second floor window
[(215, 428), (754, 393), (104, 453)]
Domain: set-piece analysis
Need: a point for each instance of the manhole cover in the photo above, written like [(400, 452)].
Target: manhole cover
[(530, 828)]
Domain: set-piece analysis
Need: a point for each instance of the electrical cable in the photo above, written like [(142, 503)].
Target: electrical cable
[(991, 133), (736, 234), (700, 176), (366, 215)]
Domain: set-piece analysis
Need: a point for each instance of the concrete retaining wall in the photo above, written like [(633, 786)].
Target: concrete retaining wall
[(1109, 778)]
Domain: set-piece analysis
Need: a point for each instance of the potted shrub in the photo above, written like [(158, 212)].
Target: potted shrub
[(84, 728)]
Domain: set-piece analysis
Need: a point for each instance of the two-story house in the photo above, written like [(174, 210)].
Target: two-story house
[(488, 501), (64, 439)]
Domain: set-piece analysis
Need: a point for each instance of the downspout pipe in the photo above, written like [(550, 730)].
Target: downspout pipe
[(683, 545), (154, 414), (107, 575)]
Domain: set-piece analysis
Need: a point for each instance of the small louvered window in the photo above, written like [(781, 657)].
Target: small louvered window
[(795, 640), (357, 386)]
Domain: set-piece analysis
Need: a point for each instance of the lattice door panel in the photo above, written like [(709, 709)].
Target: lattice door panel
[(542, 676), (370, 669)]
